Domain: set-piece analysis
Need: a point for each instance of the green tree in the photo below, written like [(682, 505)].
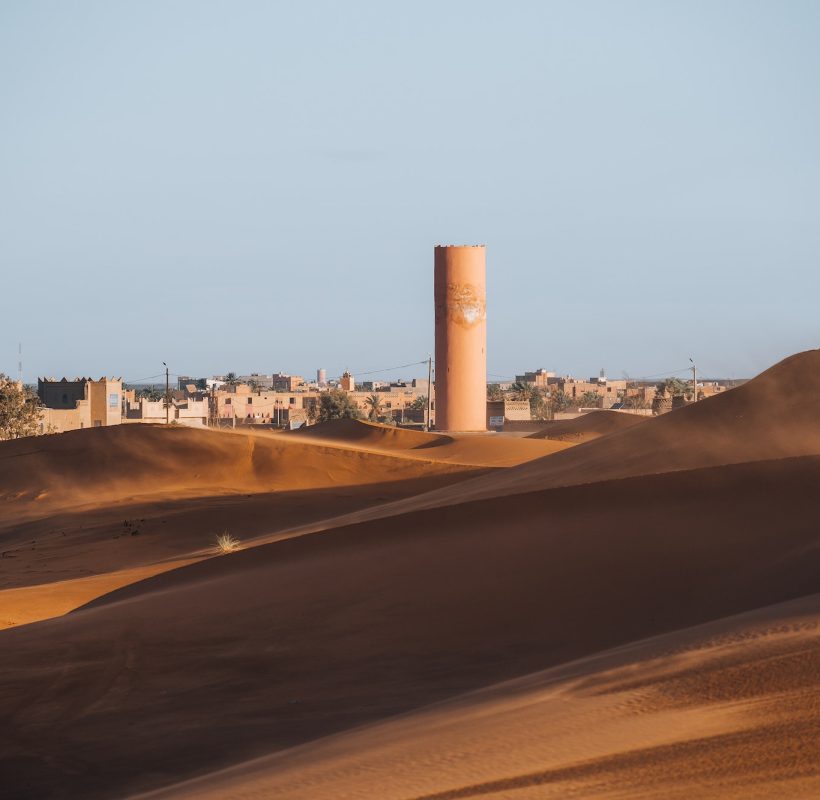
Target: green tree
[(590, 400), (19, 410), (419, 403), (674, 387), (374, 403), (493, 392), (523, 391), (231, 379), (149, 393), (558, 400), (336, 404), (539, 408)]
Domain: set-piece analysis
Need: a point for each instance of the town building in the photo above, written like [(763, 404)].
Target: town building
[(190, 412), (347, 383), (80, 403), (539, 378), (501, 411), (257, 380), (240, 405), (286, 383)]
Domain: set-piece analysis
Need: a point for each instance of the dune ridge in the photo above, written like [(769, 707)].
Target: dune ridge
[(372, 614), (765, 418), (563, 731), (588, 426)]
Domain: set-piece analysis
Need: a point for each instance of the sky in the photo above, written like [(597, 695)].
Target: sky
[(258, 186)]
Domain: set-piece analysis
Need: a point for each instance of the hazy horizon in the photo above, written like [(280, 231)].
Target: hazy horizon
[(259, 187)]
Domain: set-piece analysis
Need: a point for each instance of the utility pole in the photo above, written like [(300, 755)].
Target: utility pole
[(429, 388), (167, 396), (694, 381)]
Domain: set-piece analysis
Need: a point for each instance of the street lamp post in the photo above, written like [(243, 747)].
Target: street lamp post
[(167, 396)]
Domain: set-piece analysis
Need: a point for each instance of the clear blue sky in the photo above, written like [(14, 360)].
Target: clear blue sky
[(259, 185)]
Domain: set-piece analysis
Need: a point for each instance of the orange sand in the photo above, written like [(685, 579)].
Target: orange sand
[(587, 427), (418, 616)]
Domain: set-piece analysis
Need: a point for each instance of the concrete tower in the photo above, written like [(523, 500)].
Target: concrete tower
[(461, 338)]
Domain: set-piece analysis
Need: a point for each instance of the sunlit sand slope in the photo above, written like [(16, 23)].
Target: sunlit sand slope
[(120, 463), (767, 418), (729, 709), (588, 426), (88, 512), (243, 655), (480, 450)]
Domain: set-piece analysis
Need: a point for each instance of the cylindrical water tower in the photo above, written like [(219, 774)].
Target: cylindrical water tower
[(461, 338)]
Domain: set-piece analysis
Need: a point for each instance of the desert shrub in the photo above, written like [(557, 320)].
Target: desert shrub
[(225, 543)]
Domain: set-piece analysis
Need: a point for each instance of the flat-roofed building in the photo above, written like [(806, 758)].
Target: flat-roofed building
[(79, 403)]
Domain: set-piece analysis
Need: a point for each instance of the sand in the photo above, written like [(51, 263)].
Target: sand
[(702, 712), (587, 427), (415, 615)]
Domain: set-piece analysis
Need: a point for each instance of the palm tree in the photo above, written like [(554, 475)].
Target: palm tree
[(375, 404), (494, 392), (590, 400), (523, 391), (674, 387), (230, 379)]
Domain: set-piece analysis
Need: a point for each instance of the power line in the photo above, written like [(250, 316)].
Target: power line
[(160, 375), (661, 374), (150, 377), (356, 374)]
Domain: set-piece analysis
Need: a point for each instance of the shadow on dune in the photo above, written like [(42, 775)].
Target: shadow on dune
[(705, 512), (286, 642), (80, 544)]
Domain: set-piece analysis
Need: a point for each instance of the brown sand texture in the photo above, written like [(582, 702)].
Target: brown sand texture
[(587, 427), (417, 615)]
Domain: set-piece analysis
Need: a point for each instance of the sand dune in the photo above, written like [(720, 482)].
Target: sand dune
[(371, 433), (283, 643), (697, 713), (766, 418), (588, 426), (121, 463), (486, 450), (90, 511), (386, 577), (74, 502)]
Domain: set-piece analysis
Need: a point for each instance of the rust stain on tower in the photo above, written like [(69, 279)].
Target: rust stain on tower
[(461, 338)]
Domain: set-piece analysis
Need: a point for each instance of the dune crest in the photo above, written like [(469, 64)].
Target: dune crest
[(387, 575)]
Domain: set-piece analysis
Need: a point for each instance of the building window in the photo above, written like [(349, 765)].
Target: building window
[(250, 400), (65, 399)]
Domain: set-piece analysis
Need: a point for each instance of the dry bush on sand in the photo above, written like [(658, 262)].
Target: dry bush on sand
[(225, 543)]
